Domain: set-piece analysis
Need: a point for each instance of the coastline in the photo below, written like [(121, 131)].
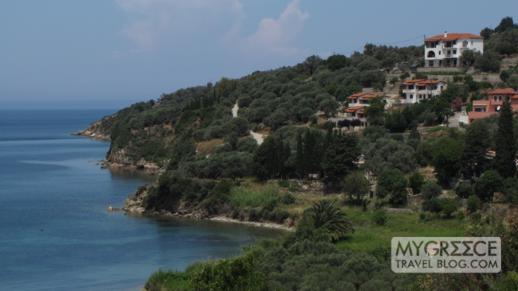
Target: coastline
[(133, 204), (134, 208)]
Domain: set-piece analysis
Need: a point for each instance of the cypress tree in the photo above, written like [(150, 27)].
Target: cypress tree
[(505, 143), (299, 158), (474, 159)]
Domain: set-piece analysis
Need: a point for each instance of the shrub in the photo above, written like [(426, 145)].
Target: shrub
[(379, 217), (287, 199), (431, 190), (416, 182), (473, 204), (489, 183), (464, 189), (432, 205), (448, 207)]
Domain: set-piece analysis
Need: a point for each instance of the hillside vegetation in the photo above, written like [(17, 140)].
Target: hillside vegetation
[(347, 191)]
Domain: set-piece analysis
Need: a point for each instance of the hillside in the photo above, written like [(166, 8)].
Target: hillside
[(267, 101), (271, 148)]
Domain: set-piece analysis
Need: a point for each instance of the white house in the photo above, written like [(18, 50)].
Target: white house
[(445, 50), (415, 91)]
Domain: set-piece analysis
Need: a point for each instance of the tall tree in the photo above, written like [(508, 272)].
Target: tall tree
[(446, 158), (339, 157), (474, 159), (505, 143), (299, 157), (376, 112), (357, 186), (312, 152), (270, 159)]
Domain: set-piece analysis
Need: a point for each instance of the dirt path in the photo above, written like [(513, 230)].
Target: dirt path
[(259, 138)]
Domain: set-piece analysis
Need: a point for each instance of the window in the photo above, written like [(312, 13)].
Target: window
[(454, 52), (465, 43)]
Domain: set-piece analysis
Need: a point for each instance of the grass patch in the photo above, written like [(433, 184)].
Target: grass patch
[(245, 197), (369, 236)]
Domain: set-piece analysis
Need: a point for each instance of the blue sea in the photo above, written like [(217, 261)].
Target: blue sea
[(55, 230)]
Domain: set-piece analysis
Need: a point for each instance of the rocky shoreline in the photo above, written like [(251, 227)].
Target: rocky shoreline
[(134, 206)]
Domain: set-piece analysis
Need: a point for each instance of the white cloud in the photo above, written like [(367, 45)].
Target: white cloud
[(154, 20), (154, 23), (278, 35)]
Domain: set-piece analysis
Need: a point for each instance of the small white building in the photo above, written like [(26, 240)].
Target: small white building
[(445, 50), (415, 91)]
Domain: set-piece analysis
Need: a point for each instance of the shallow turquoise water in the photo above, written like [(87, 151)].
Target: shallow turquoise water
[(55, 232)]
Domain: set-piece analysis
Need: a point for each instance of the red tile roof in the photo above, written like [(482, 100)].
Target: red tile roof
[(366, 95), (502, 91), (353, 109), (422, 82), (453, 36)]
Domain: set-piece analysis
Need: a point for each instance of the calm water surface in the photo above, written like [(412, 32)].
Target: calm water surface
[(55, 231)]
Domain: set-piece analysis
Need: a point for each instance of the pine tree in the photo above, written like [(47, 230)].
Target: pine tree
[(505, 143)]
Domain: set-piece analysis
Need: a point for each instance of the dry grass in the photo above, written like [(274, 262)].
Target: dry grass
[(207, 147)]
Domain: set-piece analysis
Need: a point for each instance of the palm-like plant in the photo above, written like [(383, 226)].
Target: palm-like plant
[(325, 215)]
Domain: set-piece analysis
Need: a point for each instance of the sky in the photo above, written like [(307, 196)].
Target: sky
[(59, 54)]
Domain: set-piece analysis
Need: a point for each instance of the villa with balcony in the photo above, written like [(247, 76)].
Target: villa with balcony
[(418, 90), (355, 106), (445, 50), (493, 103)]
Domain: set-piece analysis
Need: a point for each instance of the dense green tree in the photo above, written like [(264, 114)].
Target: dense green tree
[(357, 186), (447, 155), (505, 143), (469, 57), (464, 189), (329, 107), (392, 184), (474, 160), (489, 183), (505, 24), (299, 157), (312, 149), (395, 121), (375, 112), (339, 157), (431, 190), (488, 62), (311, 64), (336, 62), (416, 182), (473, 204), (270, 158), (389, 153)]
